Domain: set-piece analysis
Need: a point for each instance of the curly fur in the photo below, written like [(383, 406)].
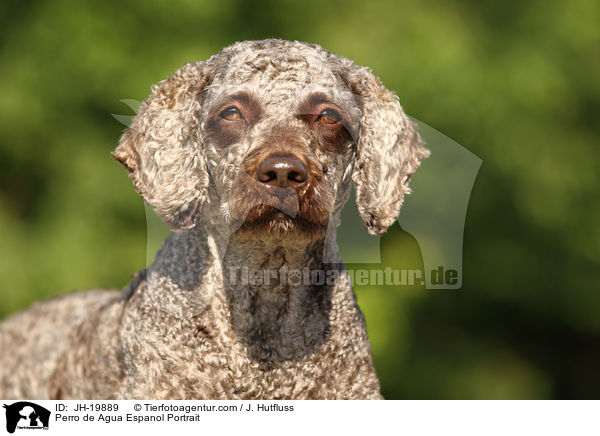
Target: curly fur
[(186, 327)]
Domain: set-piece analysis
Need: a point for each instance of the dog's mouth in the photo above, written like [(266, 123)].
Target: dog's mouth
[(267, 221)]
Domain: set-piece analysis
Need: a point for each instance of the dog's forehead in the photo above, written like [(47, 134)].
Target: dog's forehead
[(280, 77), (268, 66)]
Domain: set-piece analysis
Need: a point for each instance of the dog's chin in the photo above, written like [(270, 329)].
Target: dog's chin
[(267, 223)]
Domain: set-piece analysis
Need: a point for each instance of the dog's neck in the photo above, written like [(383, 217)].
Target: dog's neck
[(275, 298)]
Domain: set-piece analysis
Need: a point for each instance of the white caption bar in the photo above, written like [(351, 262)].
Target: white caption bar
[(300, 417)]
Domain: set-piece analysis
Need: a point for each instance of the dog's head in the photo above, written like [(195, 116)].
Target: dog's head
[(266, 137)]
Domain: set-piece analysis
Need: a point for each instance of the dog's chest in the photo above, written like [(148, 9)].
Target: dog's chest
[(212, 372), (192, 366), (316, 348)]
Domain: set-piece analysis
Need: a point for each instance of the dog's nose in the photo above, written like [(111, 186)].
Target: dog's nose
[(282, 171)]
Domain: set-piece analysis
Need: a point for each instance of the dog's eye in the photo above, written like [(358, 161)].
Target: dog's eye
[(329, 116), (231, 114)]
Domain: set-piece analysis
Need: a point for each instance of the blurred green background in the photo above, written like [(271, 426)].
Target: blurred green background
[(514, 82)]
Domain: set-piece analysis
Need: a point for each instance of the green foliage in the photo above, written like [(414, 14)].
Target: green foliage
[(514, 82)]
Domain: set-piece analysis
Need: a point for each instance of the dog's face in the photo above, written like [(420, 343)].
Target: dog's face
[(279, 132), (266, 137)]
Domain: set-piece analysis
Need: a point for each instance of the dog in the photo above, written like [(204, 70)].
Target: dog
[(248, 157)]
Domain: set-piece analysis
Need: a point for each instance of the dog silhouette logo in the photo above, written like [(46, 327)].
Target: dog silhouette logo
[(26, 415)]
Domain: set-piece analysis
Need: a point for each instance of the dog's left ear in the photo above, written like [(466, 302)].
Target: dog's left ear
[(162, 151), (388, 151)]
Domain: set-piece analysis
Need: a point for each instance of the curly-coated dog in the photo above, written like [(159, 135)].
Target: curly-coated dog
[(248, 157)]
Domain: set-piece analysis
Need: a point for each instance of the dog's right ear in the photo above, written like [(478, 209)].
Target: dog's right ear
[(162, 151)]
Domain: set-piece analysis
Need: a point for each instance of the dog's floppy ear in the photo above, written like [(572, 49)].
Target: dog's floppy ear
[(162, 152), (388, 151)]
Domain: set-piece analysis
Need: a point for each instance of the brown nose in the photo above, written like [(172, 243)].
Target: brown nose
[(282, 171)]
